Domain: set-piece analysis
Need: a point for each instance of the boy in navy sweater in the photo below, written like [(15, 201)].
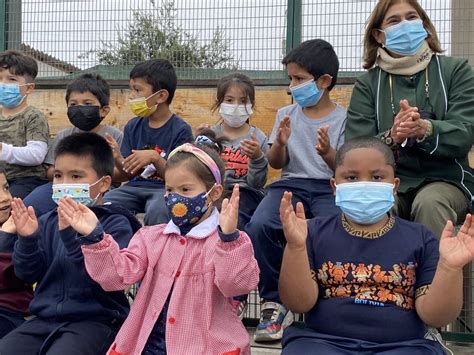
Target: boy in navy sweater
[(73, 314)]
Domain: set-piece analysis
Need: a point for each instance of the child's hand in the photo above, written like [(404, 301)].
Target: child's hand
[(78, 216), (457, 251), (201, 128), (284, 131), (294, 224), (230, 212), (113, 145), (138, 160), (324, 144), (24, 218), (9, 226), (251, 147)]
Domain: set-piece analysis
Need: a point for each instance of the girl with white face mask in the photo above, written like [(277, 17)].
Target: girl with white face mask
[(244, 152)]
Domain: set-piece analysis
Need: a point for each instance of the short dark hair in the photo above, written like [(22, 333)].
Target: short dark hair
[(159, 73), (242, 81), (197, 166), (317, 57), (87, 144), (92, 83), (19, 64), (366, 142)]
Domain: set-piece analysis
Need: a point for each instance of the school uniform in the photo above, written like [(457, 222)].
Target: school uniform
[(72, 313)]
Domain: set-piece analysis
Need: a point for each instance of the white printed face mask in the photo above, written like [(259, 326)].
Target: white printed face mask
[(235, 115), (80, 193)]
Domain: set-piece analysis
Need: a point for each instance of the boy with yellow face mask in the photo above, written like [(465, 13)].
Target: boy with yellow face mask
[(148, 138)]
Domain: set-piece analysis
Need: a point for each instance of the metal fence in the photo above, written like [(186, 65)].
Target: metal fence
[(203, 38)]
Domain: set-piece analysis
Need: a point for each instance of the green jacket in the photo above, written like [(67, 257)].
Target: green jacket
[(444, 155)]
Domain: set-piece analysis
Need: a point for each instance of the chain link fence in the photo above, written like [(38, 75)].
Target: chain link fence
[(204, 39)]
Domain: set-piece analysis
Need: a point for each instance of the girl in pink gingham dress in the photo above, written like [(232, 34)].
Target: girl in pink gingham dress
[(188, 269)]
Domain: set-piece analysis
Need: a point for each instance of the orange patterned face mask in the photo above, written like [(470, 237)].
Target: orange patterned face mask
[(187, 211)]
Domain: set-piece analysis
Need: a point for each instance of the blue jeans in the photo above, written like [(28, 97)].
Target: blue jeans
[(138, 199), (266, 232)]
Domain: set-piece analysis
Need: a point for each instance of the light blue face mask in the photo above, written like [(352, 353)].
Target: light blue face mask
[(10, 96), (307, 94), (365, 202), (406, 37), (80, 193)]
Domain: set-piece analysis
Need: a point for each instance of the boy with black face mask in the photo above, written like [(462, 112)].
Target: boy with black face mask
[(87, 98)]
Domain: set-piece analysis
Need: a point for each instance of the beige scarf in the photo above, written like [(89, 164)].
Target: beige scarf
[(408, 65)]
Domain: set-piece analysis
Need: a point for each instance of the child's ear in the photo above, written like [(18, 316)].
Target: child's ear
[(104, 111), (216, 192), (161, 96), (105, 184), (324, 81), (30, 87), (333, 185), (396, 184)]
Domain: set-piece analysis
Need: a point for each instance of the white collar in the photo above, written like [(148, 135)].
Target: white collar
[(201, 231)]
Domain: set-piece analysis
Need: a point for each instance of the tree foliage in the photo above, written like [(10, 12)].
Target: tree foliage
[(156, 34)]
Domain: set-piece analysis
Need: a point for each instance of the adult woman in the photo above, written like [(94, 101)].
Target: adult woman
[(422, 105)]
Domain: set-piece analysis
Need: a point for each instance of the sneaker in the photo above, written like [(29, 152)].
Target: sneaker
[(274, 318), (240, 307)]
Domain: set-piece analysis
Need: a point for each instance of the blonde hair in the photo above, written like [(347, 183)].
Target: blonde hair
[(375, 21)]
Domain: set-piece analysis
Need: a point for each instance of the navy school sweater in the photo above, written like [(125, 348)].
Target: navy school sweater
[(54, 260)]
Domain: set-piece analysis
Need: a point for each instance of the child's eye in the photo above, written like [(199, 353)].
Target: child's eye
[(351, 178), (75, 177), (377, 177)]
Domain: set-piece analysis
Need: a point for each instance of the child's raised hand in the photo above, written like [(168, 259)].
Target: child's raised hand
[(284, 131), (230, 212), (251, 147), (113, 145), (457, 251), (294, 223), (78, 216), (201, 128), (324, 144), (138, 160), (25, 219)]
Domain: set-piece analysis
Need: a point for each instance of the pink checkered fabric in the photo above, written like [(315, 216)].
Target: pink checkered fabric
[(205, 274)]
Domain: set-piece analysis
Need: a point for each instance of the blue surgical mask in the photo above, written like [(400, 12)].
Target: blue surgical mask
[(406, 37), (80, 193), (10, 96), (307, 94), (365, 202), (186, 211)]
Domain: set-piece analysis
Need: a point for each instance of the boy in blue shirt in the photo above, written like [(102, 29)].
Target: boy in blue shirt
[(303, 144), (73, 314), (148, 139), (368, 281)]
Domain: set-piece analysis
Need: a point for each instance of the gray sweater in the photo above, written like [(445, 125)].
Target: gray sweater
[(240, 169)]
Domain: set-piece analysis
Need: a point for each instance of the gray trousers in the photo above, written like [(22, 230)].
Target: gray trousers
[(433, 205), (138, 199)]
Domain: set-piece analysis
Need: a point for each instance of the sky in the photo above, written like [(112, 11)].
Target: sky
[(255, 29)]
